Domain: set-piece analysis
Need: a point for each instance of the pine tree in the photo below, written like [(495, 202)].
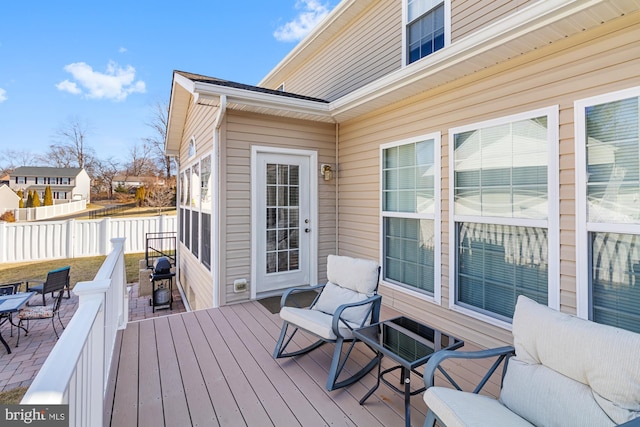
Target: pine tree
[(36, 199), (48, 196), (140, 195), (30, 199), (21, 202)]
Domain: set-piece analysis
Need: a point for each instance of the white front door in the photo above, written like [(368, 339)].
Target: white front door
[(284, 229)]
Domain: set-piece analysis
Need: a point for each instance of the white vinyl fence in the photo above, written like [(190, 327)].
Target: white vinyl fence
[(45, 212), (36, 241)]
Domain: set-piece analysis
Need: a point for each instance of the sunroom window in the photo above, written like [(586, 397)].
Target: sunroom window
[(609, 192), (410, 213), (502, 212), (425, 28)]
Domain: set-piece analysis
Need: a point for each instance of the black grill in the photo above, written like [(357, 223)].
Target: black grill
[(161, 269)]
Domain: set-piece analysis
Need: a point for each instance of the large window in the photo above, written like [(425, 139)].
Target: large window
[(504, 228), (410, 214), (426, 27), (608, 235), (195, 209)]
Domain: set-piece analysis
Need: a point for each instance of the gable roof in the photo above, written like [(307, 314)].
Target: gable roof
[(48, 172)]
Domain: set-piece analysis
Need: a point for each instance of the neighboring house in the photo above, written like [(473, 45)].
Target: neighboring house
[(478, 152), (9, 200), (5, 180), (129, 182), (66, 183)]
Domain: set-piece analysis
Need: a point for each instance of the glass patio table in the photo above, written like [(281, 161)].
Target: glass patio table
[(409, 343), (10, 304)]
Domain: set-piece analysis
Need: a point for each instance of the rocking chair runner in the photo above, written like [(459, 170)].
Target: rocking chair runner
[(348, 301)]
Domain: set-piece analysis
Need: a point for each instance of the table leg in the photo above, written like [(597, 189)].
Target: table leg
[(5, 343), (406, 373), (375, 387)]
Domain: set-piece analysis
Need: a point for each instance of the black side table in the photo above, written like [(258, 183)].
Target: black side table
[(409, 343)]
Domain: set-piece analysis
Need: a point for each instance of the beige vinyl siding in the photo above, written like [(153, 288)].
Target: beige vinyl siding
[(195, 278), (469, 16), (368, 49), (594, 62), (244, 130)]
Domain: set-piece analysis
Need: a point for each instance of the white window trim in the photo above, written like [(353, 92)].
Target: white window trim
[(583, 228), (552, 224), (436, 217), (405, 17)]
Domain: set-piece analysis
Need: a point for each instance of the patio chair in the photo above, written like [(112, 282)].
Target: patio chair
[(348, 301), (566, 372), (57, 280), (41, 312)]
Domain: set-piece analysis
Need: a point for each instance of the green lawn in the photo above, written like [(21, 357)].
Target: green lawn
[(82, 269)]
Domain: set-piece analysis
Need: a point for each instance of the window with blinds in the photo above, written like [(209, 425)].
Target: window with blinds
[(501, 211), (410, 182), (612, 188)]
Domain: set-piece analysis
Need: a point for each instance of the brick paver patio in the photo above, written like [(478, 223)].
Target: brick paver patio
[(19, 368)]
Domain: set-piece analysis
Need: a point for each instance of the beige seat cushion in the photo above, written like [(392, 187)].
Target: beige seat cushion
[(572, 368), (357, 274), (314, 321), (462, 409)]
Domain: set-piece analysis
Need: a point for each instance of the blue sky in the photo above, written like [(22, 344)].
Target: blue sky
[(107, 63)]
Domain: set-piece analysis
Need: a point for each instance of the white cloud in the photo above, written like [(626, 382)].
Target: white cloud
[(3, 95), (122, 50), (116, 83), (311, 13)]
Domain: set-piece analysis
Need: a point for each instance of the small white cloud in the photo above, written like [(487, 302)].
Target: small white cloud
[(67, 86), (3, 95), (122, 50), (311, 13), (116, 83)]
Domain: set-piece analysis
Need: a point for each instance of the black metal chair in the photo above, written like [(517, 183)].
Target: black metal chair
[(57, 280), (41, 312)]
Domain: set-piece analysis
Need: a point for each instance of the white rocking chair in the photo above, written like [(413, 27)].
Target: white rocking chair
[(348, 301)]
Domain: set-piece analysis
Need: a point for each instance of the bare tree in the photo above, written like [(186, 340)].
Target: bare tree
[(70, 148), (159, 123), (12, 159), (105, 173), (141, 161)]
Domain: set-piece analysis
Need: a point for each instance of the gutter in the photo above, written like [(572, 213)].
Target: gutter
[(215, 224)]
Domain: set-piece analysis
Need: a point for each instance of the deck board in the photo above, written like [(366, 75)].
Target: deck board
[(215, 367)]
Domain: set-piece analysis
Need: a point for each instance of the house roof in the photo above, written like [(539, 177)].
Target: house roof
[(47, 172), (214, 92)]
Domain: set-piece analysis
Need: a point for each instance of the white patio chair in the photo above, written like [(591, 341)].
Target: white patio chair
[(348, 301)]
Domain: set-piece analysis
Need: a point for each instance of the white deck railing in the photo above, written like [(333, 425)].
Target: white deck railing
[(77, 369)]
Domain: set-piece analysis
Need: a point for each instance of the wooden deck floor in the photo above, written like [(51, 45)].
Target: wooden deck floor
[(214, 367)]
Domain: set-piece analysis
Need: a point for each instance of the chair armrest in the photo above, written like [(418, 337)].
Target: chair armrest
[(440, 356), (337, 315), (292, 291), (33, 282)]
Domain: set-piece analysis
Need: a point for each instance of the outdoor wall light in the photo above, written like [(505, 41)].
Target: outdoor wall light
[(326, 171)]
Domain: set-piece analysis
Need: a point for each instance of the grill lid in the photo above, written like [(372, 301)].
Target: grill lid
[(162, 265)]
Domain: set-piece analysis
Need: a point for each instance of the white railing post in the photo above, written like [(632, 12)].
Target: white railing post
[(71, 234), (3, 241)]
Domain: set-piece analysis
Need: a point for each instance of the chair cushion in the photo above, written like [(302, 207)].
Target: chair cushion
[(314, 321), (460, 409), (357, 274), (602, 358), (37, 312), (333, 296)]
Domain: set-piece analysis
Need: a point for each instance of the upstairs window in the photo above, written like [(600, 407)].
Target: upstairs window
[(426, 28)]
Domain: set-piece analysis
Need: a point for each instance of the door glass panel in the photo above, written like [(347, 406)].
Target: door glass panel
[(282, 213)]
